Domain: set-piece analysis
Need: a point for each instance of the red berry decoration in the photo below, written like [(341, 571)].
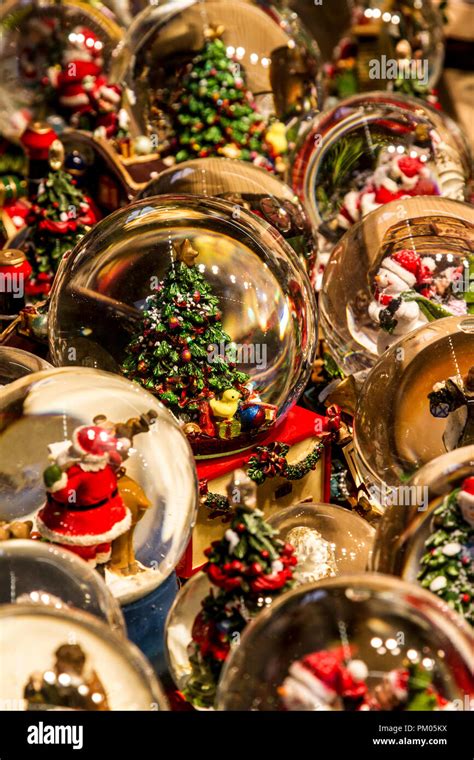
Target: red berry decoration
[(186, 355), (173, 322), (142, 367), (197, 296)]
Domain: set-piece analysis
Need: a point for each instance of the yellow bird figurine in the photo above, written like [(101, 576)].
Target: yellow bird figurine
[(226, 406), (275, 137)]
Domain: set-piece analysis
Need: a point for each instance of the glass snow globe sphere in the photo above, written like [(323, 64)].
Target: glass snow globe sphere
[(357, 642), (207, 308), (429, 539), (370, 150), (329, 540), (210, 78), (245, 186), (16, 363), (101, 469), (39, 40), (36, 572), (75, 663), (415, 405), (397, 46), (404, 266)]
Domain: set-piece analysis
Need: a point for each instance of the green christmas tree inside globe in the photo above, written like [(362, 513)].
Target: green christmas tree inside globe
[(215, 113), (174, 354)]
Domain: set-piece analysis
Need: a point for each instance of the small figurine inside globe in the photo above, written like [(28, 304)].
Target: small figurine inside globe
[(396, 45), (370, 150), (44, 574), (422, 388), (57, 56), (245, 186), (217, 79), (404, 266), (430, 540), (329, 540), (211, 313), (358, 643), (102, 470), (76, 663)]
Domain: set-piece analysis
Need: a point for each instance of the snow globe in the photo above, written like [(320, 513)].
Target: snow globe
[(399, 45), (404, 266), (76, 663), (16, 363), (415, 405), (210, 311), (40, 573), (329, 540), (56, 60), (357, 642), (430, 538), (370, 150), (104, 471), (246, 571), (214, 79), (245, 186)]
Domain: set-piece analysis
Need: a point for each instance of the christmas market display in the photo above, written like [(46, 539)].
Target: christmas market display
[(237, 365)]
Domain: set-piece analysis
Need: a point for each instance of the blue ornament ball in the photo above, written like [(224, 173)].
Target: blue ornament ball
[(252, 416)]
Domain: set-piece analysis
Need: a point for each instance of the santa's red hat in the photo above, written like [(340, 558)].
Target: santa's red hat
[(93, 442), (405, 264), (466, 499), (83, 44), (334, 678)]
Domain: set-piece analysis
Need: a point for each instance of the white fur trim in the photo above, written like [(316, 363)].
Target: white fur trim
[(368, 203), (59, 484), (87, 539), (109, 94), (465, 499), (358, 670), (74, 100), (400, 271), (296, 696), (429, 263)]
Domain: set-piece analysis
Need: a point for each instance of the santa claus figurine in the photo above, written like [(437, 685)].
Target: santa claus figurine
[(84, 511), (323, 681), (400, 273), (395, 177), (84, 93)]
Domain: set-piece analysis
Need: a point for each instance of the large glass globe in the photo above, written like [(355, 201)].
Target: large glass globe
[(101, 469), (344, 644), (404, 266), (256, 60), (209, 309)]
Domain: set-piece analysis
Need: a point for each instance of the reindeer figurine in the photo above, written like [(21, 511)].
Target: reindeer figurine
[(122, 561)]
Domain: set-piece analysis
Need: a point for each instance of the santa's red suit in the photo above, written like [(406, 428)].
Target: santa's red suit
[(84, 511)]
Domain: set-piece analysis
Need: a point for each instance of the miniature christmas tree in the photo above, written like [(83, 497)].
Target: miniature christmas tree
[(250, 566), (60, 214), (447, 567), (170, 354), (215, 112)]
